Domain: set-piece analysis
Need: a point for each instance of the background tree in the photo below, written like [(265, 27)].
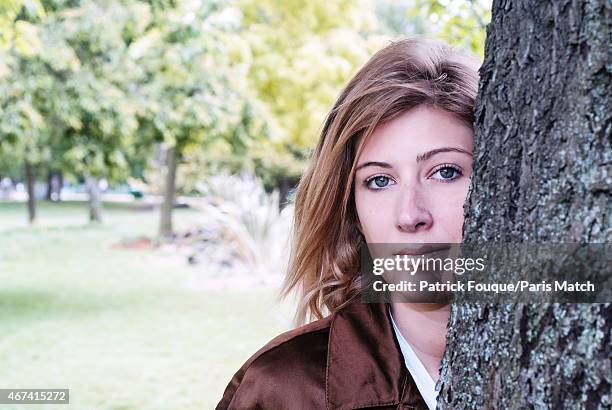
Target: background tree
[(541, 175), (23, 86), (13, 29), (190, 91), (100, 121), (85, 128), (23, 130)]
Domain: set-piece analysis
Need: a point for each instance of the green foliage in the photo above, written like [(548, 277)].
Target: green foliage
[(23, 129), (21, 122), (96, 113), (458, 22), (191, 85), (14, 32), (86, 123)]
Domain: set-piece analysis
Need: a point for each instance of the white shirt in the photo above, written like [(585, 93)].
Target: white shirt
[(419, 373)]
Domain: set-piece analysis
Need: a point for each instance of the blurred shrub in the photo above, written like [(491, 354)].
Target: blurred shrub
[(241, 220)]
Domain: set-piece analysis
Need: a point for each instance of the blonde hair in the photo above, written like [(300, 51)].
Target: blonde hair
[(324, 258)]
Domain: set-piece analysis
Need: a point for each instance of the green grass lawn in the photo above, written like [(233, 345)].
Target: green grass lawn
[(122, 329)]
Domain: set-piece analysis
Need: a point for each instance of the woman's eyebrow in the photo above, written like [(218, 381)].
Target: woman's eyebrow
[(420, 157), (426, 155), (373, 164)]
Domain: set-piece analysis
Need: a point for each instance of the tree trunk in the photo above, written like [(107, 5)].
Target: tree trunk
[(54, 185), (30, 179), (165, 223), (60, 181), (283, 188), (49, 193), (95, 203), (541, 175)]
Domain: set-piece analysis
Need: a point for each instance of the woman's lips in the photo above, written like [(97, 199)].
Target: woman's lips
[(424, 250)]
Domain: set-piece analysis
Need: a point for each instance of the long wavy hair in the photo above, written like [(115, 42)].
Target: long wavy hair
[(324, 257)]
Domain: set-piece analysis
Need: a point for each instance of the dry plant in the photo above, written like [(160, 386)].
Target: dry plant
[(243, 222)]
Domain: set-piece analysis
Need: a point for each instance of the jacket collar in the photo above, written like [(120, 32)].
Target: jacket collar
[(365, 366)]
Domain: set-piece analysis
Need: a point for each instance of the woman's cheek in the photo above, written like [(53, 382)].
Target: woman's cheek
[(452, 217), (374, 215)]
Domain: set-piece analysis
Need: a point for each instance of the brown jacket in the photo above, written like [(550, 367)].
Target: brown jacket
[(348, 360)]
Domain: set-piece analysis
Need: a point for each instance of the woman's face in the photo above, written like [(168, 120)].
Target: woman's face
[(412, 178)]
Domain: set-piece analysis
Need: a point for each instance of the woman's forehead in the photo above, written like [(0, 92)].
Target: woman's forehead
[(415, 132)]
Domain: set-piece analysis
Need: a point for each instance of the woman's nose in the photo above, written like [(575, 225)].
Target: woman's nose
[(412, 213)]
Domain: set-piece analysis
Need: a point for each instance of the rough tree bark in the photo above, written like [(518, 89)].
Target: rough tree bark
[(541, 175), (165, 223)]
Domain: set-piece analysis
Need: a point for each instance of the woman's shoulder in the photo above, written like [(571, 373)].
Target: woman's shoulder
[(294, 360)]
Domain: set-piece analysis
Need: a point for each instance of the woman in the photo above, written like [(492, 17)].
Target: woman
[(392, 165)]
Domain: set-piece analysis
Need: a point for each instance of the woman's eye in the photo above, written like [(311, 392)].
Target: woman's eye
[(447, 173), (378, 182)]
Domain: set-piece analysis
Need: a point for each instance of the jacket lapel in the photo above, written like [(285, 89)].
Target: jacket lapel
[(365, 367)]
